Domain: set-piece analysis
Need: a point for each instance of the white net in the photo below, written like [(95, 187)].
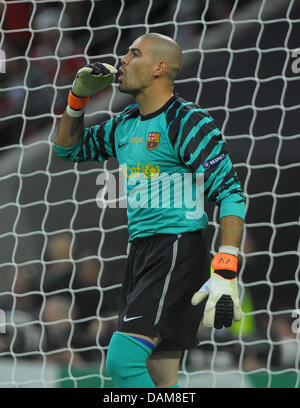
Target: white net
[(62, 256)]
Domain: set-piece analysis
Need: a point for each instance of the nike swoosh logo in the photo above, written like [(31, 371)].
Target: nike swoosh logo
[(127, 319), (122, 145)]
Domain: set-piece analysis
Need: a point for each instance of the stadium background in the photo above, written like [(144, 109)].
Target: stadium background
[(58, 247)]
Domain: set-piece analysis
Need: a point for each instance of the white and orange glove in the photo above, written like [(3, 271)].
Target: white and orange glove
[(89, 80), (223, 303)]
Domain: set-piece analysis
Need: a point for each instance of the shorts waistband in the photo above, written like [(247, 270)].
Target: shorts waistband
[(158, 236)]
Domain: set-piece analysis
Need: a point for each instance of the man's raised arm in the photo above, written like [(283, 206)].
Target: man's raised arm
[(70, 130), (89, 80)]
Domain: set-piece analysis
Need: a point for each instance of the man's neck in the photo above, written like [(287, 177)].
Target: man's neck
[(150, 102)]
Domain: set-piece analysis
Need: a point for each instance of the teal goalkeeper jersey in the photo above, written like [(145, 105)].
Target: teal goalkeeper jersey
[(170, 160)]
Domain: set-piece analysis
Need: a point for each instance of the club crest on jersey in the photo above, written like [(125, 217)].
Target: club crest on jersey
[(153, 140)]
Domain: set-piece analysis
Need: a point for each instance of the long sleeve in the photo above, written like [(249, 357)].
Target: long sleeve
[(199, 145), (97, 143)]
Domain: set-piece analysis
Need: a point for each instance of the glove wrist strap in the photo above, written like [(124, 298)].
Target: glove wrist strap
[(229, 249), (77, 103), (74, 113)]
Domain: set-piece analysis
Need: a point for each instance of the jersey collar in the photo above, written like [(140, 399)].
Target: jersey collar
[(160, 110)]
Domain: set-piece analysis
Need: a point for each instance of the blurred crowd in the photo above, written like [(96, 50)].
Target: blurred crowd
[(65, 305), (46, 42)]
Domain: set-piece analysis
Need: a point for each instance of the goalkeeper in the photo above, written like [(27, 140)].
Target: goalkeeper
[(168, 271)]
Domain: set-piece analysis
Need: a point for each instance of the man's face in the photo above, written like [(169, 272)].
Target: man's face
[(136, 71)]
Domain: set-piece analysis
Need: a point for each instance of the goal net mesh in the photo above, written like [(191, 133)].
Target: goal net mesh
[(63, 254)]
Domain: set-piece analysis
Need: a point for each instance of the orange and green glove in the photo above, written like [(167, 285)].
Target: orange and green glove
[(89, 80)]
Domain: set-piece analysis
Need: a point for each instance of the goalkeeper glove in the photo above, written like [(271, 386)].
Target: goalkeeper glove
[(89, 80), (223, 304)]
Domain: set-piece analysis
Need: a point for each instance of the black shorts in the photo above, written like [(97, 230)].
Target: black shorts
[(162, 273)]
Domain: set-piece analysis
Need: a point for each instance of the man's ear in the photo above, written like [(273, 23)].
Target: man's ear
[(160, 69)]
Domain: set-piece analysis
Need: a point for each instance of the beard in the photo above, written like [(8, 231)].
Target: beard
[(132, 90)]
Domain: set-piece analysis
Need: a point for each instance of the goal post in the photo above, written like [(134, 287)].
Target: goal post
[(63, 254)]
